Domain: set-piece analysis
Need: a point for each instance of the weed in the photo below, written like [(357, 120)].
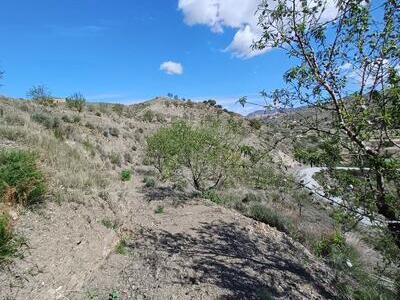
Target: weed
[(121, 247), (20, 179), (92, 294), (113, 295), (149, 182), (213, 196), (268, 216), (7, 243), (115, 158), (334, 249), (46, 120), (159, 210), (12, 133), (109, 224), (126, 175)]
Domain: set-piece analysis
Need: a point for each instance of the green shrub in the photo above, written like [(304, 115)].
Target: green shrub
[(126, 175), (255, 123), (266, 215), (76, 101), (159, 210), (121, 247), (20, 179), (109, 224), (213, 196), (149, 182), (113, 295), (46, 120), (335, 250), (7, 242), (148, 116)]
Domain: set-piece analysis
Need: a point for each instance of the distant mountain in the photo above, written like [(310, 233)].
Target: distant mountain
[(269, 112)]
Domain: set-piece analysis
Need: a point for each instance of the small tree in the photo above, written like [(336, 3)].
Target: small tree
[(41, 94), (76, 101), (205, 152), (347, 54)]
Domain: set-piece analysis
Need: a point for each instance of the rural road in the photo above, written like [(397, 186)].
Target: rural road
[(306, 178)]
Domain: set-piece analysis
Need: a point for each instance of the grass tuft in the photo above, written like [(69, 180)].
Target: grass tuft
[(21, 182)]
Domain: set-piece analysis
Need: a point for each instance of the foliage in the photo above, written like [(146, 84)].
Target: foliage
[(213, 196), (113, 295), (206, 152), (149, 182), (76, 101), (159, 209), (42, 95), (46, 120), (21, 181), (323, 151), (332, 53), (266, 215), (210, 102), (126, 175), (121, 247)]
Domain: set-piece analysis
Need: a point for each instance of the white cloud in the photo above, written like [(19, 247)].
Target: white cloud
[(237, 14), (172, 68), (243, 40)]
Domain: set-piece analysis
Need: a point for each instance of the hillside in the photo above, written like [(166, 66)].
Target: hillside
[(96, 235)]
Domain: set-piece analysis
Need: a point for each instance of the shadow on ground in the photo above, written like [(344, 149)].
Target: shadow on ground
[(165, 193), (238, 265)]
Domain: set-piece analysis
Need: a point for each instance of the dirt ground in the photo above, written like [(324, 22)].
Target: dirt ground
[(193, 250)]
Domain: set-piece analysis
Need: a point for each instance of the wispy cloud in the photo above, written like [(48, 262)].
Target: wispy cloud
[(78, 31)]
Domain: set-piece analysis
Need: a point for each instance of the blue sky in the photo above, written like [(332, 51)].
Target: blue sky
[(112, 50)]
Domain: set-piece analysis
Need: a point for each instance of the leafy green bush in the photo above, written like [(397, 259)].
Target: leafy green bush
[(335, 250), (46, 120), (266, 215), (207, 152), (7, 243), (126, 175), (20, 179), (76, 101)]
